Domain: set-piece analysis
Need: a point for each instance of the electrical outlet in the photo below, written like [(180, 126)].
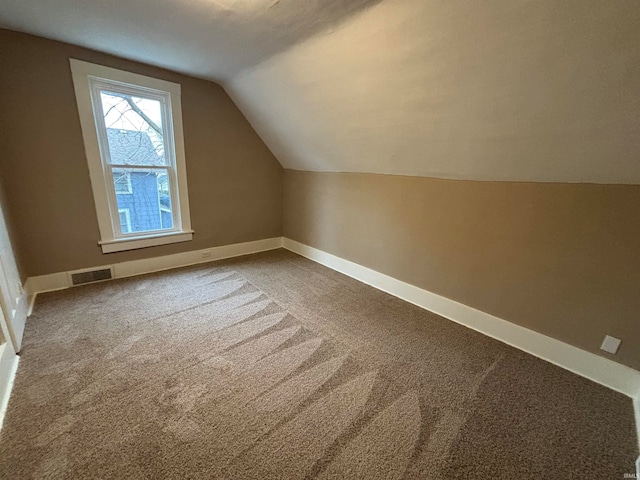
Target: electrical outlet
[(610, 344), (206, 254)]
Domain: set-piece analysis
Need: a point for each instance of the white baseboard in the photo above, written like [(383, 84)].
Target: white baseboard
[(8, 367), (589, 365), (31, 300), (60, 280)]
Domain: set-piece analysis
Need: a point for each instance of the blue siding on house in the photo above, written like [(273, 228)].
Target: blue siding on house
[(146, 206), (143, 203)]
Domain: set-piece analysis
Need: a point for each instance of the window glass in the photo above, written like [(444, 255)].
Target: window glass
[(135, 138), (122, 182), (134, 129), (149, 203), (125, 226)]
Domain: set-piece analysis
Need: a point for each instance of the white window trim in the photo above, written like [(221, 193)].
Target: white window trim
[(110, 240)]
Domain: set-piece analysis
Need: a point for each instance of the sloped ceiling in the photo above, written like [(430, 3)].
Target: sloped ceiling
[(542, 90), (212, 39), (522, 90)]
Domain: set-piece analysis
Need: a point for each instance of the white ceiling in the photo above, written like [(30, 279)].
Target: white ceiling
[(522, 90), (211, 39)]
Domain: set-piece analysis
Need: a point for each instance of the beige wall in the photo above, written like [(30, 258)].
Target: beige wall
[(561, 259), (235, 183)]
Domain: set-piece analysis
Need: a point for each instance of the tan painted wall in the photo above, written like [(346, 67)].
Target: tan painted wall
[(235, 183), (561, 259)]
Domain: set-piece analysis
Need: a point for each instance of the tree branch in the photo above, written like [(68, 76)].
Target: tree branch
[(137, 109)]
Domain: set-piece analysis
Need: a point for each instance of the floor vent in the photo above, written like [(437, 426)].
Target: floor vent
[(79, 278)]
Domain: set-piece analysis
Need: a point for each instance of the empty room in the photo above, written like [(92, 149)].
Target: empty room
[(320, 239)]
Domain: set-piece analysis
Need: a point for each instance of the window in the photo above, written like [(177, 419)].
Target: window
[(123, 183), (125, 220), (132, 129)]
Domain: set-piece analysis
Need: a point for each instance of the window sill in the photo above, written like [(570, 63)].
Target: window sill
[(122, 244)]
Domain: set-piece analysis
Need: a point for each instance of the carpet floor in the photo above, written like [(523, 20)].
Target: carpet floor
[(273, 367)]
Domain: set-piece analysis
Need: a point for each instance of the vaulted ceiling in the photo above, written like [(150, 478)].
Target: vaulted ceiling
[(540, 90), (514, 90), (212, 39)]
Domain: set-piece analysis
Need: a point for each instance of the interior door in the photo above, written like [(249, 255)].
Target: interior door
[(10, 288)]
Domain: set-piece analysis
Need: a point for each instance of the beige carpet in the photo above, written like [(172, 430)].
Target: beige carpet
[(271, 366)]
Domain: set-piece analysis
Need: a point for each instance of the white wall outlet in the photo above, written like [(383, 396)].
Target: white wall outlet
[(206, 254), (611, 344)]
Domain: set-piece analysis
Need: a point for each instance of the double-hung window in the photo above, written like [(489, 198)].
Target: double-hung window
[(132, 130)]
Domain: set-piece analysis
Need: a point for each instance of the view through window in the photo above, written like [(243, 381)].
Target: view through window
[(137, 162)]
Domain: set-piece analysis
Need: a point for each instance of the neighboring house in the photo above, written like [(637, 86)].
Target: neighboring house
[(143, 197)]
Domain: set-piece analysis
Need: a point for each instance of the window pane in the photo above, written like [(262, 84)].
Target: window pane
[(125, 226), (122, 182), (149, 202), (134, 129)]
